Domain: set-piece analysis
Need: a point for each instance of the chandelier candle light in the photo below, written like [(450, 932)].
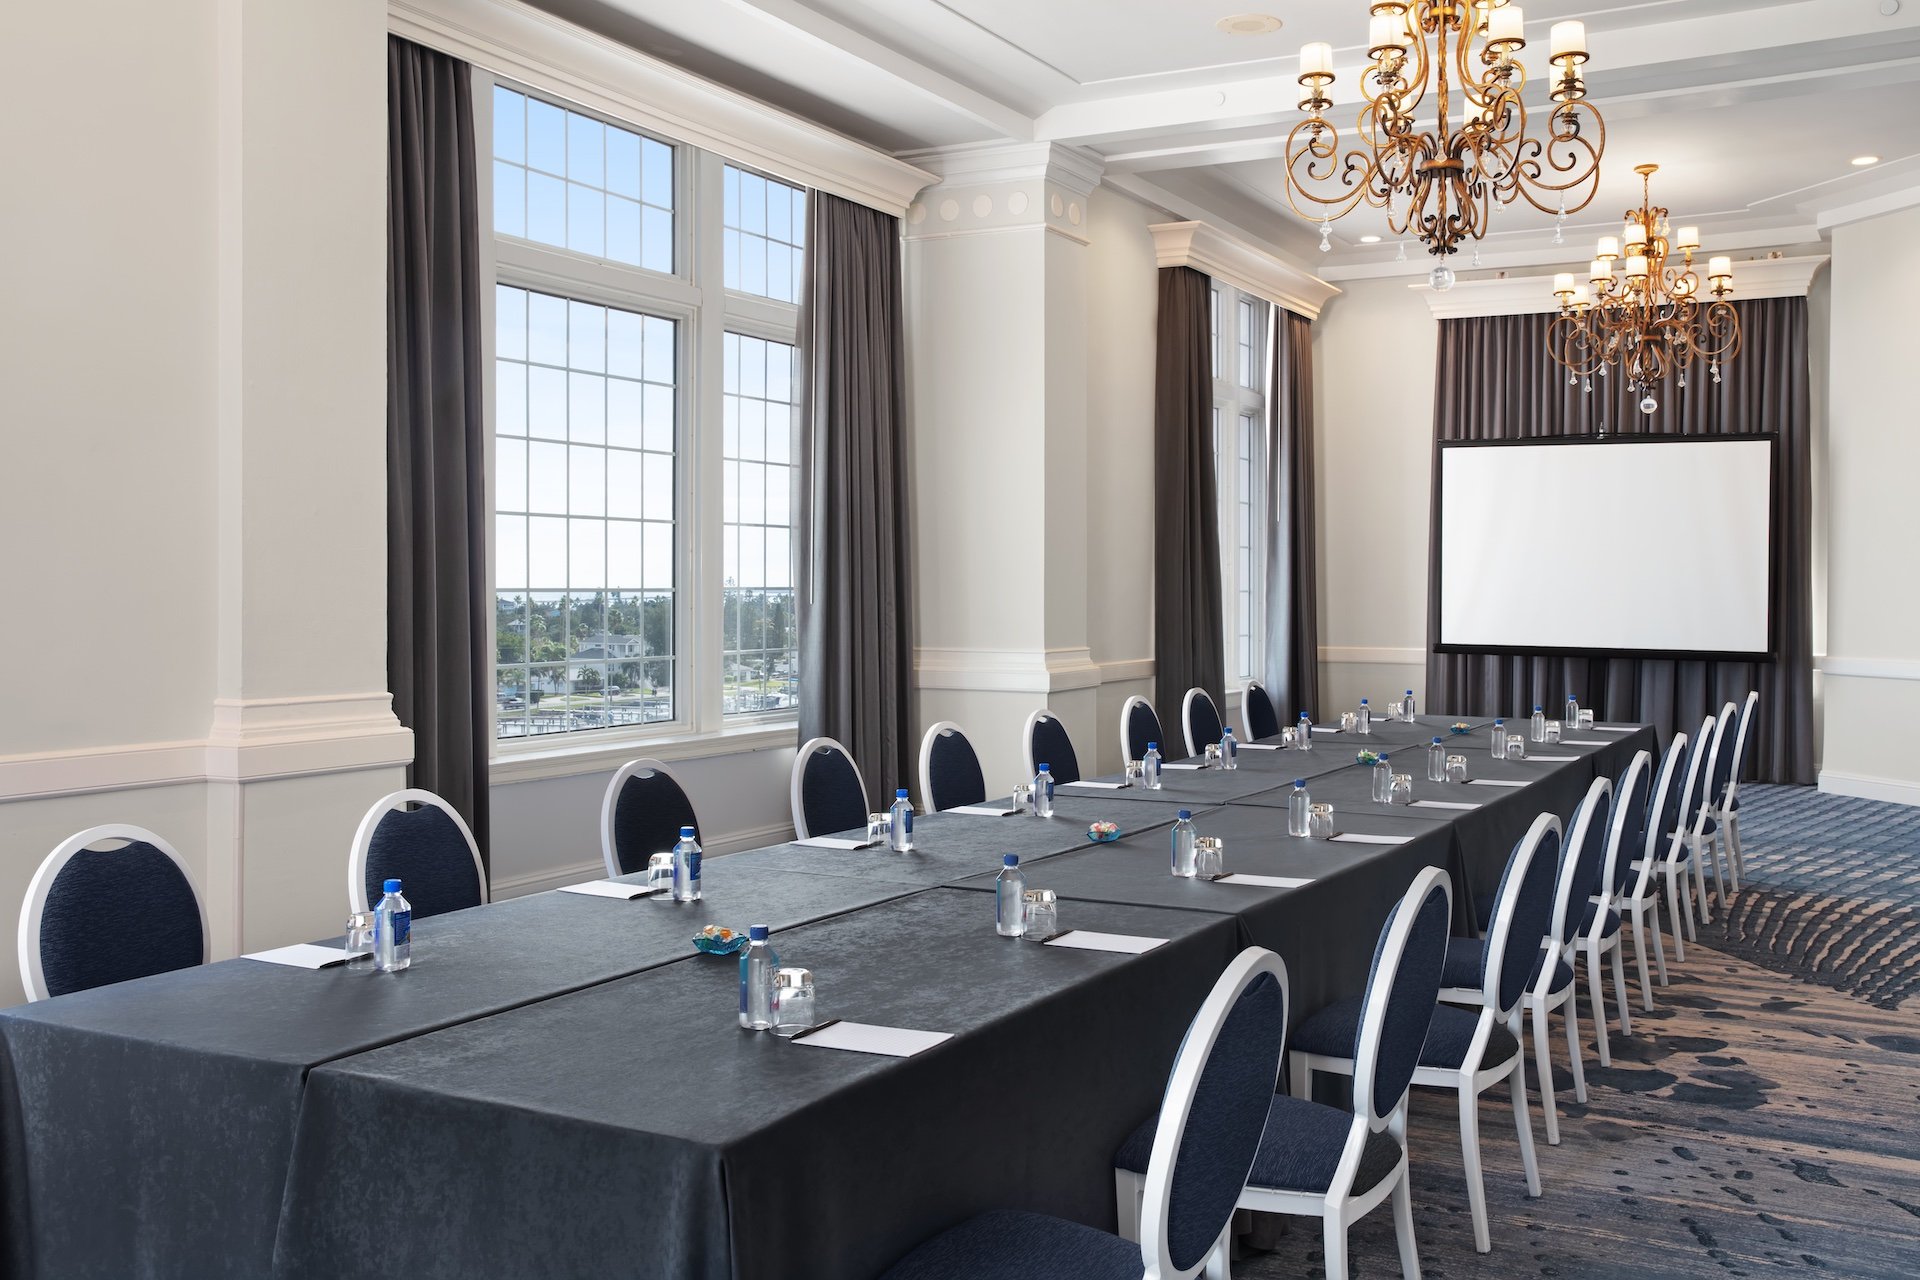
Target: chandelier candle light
[(1653, 318), (1440, 183)]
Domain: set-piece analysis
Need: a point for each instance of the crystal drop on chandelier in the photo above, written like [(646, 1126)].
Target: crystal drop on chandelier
[(1476, 255), (1649, 404), (1403, 252), (1715, 367), (1683, 382), (1441, 278), (1572, 379), (1603, 371), (1587, 385)]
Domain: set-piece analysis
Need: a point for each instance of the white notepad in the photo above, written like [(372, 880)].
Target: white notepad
[(1271, 882), (1261, 746), (1446, 804), (1325, 729), (1098, 786), (1183, 766), (1358, 837), (607, 889), (302, 955), (1553, 759), (1088, 940), (1585, 742), (1494, 782), (835, 842), (1612, 728), (984, 810), (863, 1037)]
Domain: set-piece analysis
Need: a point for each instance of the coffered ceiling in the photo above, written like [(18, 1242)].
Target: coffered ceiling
[(1753, 108)]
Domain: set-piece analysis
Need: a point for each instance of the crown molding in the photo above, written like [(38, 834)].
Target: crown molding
[(1892, 202), (1206, 248), (973, 164), (522, 43), (1533, 294)]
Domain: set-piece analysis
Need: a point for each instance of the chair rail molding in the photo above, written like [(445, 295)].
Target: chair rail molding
[(1869, 668), (1206, 248), (1373, 656), (1007, 670), (1533, 294)]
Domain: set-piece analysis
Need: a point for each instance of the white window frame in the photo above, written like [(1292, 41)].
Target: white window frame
[(704, 311), (1232, 401)]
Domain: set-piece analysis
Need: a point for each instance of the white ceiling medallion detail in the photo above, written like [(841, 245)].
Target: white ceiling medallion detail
[(1533, 294), (1206, 248)]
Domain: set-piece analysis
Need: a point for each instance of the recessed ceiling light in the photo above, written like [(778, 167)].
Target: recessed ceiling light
[(1369, 239), (1248, 24), (1861, 162)]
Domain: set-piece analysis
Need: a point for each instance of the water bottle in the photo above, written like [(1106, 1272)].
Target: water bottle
[(1410, 710), (1229, 749), (1365, 718), (392, 930), (1539, 724), (1572, 721), (757, 964), (1499, 739), (900, 829), (1297, 808), (1010, 898), (1183, 844), (1436, 761), (1043, 793), (1383, 781), (1150, 767), (1305, 733), (686, 867)]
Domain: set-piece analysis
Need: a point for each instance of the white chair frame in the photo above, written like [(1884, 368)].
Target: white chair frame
[(1726, 817), (1126, 714), (928, 803), (1596, 943), (363, 840), (1026, 738), (807, 750), (1699, 774), (1725, 730), (1643, 900), (1186, 719), (32, 976), (646, 764)]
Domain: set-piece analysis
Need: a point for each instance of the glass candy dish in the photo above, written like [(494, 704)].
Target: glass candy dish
[(1103, 832), (716, 940)]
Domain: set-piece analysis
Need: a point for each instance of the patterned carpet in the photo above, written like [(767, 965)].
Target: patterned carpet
[(1755, 1123)]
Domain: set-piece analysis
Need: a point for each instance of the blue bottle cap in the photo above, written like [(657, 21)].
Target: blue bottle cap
[(756, 933), (1436, 742), (1536, 706), (1186, 814), (1383, 757), (1363, 702), (1409, 693), (1009, 859), (390, 886), (686, 833), (901, 794), (1299, 782), (1153, 746), (1498, 723), (1224, 732), (1044, 768)]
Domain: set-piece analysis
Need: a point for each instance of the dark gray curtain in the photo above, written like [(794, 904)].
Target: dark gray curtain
[(1188, 636), (856, 645), (438, 623), (1292, 662), (1496, 381)]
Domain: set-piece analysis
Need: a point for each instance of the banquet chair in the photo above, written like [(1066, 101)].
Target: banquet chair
[(1138, 727), (1692, 829), (1641, 898), (641, 815), (1256, 708), (1200, 720), (1602, 928), (1333, 1164), (949, 770), (1719, 777), (1203, 1145), (429, 849), (828, 793), (1726, 814), (1467, 1051), (1045, 738), (96, 915)]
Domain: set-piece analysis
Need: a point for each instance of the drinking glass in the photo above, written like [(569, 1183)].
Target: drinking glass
[(793, 999), (1209, 857), (1401, 791), (1288, 736), (1136, 771), (660, 873), (1456, 768), (1042, 914), (1553, 731), (1320, 821), (1349, 721), (1397, 710), (359, 942), (1516, 746), (1023, 797), (879, 826), (1586, 718), (1211, 759)]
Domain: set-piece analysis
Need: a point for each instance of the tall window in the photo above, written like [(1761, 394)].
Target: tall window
[(1239, 414), (643, 374)]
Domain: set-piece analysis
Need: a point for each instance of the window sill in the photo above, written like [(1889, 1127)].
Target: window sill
[(605, 755)]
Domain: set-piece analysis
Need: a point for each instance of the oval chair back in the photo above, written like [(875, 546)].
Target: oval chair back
[(1256, 708), (949, 769), (1403, 988), (1693, 796), (95, 916), (428, 849), (828, 793), (1740, 747), (1139, 726), (1626, 835), (641, 815), (1212, 1115), (1582, 861), (1046, 739), (1720, 764), (1200, 719), (1663, 805), (1522, 911)]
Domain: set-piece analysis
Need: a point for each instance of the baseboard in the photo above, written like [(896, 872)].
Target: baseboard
[(527, 882), (1897, 790)]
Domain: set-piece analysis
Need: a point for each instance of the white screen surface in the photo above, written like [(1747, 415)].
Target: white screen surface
[(1664, 546)]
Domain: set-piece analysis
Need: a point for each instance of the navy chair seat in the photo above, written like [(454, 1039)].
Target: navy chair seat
[(1300, 1150), (1586, 921), (1003, 1244), (1466, 957), (1331, 1033)]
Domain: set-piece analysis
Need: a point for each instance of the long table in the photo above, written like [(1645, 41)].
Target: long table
[(231, 1119)]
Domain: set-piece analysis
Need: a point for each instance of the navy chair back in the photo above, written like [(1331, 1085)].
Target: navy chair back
[(1256, 708), (1693, 792), (1403, 988), (1139, 726), (1630, 798), (1663, 801), (1522, 913), (430, 855), (649, 808), (953, 775), (831, 795), (95, 916), (1725, 733), (1203, 724), (1584, 859), (1047, 740)]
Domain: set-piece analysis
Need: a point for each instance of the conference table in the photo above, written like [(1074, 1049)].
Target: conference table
[(559, 1085)]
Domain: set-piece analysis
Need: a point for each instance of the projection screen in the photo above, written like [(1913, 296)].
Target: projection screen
[(1622, 545)]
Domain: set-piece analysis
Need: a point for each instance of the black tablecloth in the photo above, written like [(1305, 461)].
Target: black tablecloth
[(635, 1130)]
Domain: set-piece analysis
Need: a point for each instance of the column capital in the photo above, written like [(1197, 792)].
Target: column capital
[(1003, 186)]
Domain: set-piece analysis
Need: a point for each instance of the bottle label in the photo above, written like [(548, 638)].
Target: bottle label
[(402, 927), (908, 815), (743, 982), (693, 865), (1049, 788)]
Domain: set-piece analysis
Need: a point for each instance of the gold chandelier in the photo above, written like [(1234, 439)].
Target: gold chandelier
[(1440, 183), (1652, 319)]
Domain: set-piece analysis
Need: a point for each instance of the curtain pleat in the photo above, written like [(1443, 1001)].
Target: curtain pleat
[(1495, 380), (438, 619), (1188, 630), (1292, 660), (856, 645)]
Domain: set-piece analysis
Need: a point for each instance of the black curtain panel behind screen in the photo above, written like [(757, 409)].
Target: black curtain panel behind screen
[(1188, 631), (1496, 381), (856, 643), (438, 627), (1292, 663)]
